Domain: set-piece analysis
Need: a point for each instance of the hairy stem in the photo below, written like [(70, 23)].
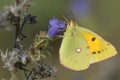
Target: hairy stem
[(17, 27), (17, 2), (13, 74)]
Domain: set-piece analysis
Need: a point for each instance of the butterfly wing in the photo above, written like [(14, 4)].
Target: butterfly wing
[(100, 49), (74, 52)]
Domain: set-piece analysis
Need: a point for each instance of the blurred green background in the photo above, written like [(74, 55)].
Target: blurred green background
[(104, 19)]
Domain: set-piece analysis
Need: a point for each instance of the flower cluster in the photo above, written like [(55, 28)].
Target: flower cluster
[(13, 59), (55, 26), (17, 15), (9, 13), (42, 71)]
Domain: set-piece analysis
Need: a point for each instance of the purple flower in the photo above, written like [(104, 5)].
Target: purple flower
[(81, 8), (55, 27)]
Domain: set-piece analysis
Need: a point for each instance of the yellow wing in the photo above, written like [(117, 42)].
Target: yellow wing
[(100, 49), (74, 52)]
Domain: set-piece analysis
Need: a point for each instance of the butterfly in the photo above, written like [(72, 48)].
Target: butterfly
[(81, 47)]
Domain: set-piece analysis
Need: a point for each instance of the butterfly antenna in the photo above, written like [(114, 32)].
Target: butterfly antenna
[(72, 15), (66, 20)]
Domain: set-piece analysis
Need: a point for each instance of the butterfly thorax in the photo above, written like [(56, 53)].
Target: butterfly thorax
[(71, 28)]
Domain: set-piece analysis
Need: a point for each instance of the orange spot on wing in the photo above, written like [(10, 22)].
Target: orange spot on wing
[(94, 45)]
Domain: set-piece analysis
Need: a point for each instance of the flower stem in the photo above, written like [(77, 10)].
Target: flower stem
[(13, 74)]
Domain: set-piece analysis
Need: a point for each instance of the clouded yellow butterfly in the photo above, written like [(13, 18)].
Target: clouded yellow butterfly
[(80, 47)]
